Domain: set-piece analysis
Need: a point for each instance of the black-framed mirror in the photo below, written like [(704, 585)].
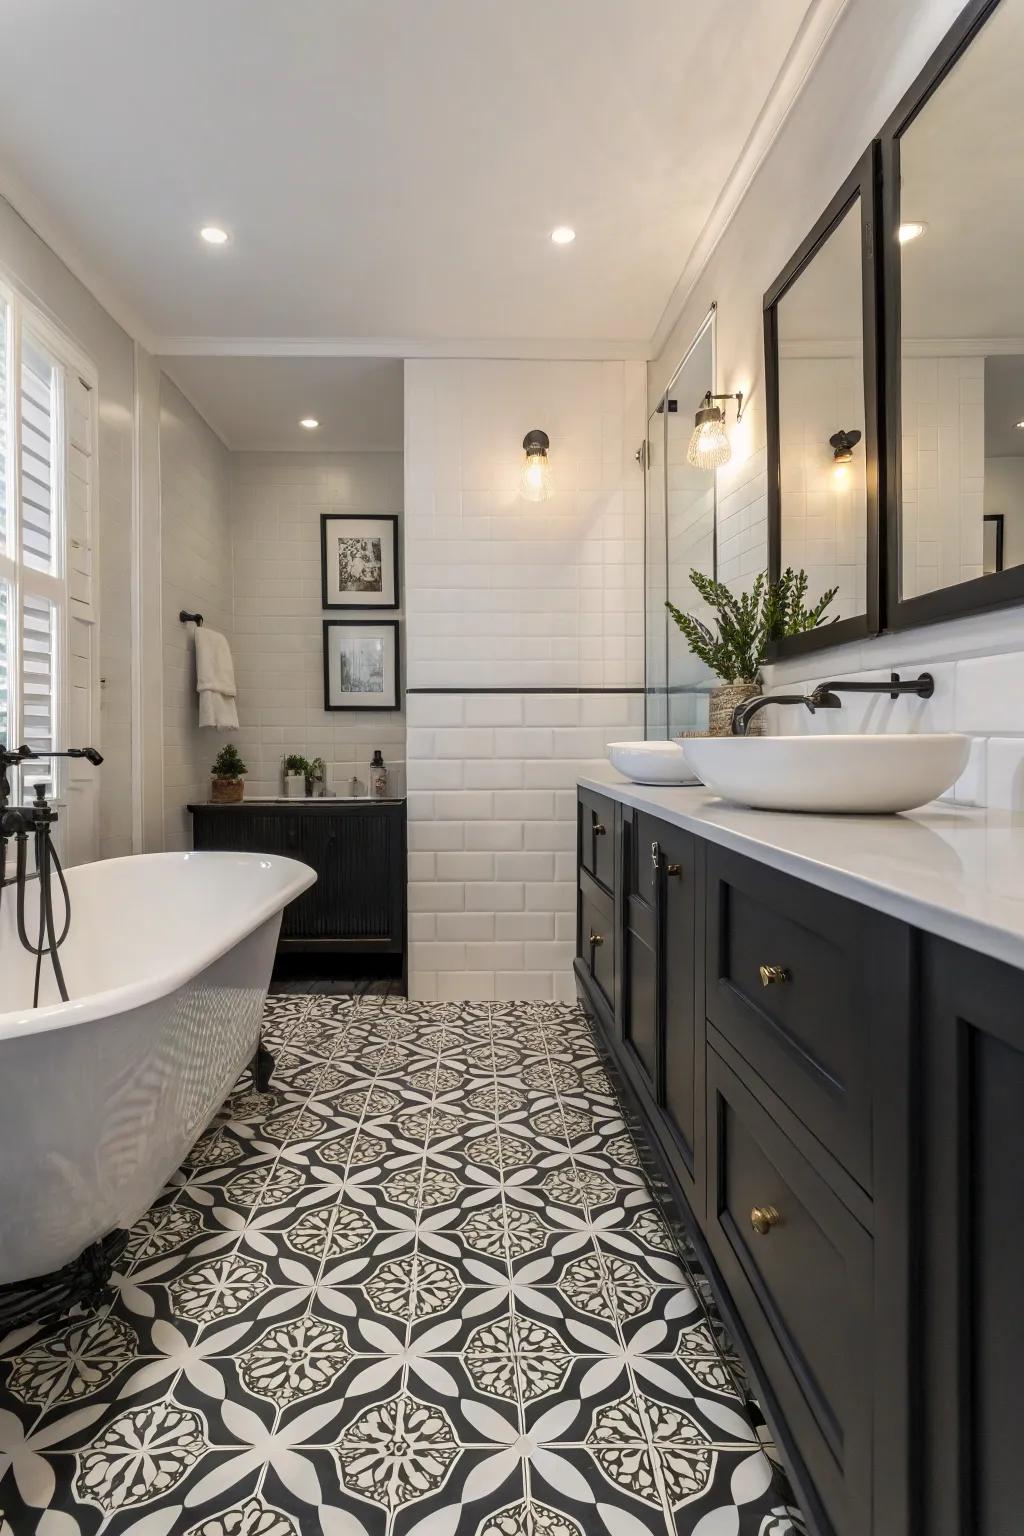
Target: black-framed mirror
[(823, 410), (953, 179)]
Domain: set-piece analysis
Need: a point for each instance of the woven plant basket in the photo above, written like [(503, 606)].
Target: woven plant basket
[(723, 700), (226, 791)]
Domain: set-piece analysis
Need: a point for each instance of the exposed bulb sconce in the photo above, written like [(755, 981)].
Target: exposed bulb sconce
[(709, 445), (843, 443), (535, 481)]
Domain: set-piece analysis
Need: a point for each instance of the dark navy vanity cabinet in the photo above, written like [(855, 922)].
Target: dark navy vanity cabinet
[(357, 847), (836, 1101)]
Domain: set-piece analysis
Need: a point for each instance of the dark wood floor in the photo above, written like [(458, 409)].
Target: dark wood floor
[(342, 986)]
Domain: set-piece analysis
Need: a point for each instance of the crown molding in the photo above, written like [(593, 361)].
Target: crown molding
[(26, 207), (529, 350), (815, 31)]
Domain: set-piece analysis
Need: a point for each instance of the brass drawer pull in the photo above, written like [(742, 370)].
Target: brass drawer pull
[(595, 939), (673, 869), (772, 975), (599, 829), (763, 1218)]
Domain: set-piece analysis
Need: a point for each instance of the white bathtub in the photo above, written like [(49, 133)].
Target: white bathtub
[(167, 965)]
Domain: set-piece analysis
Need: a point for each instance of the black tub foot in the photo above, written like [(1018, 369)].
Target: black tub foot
[(82, 1283), (262, 1066)]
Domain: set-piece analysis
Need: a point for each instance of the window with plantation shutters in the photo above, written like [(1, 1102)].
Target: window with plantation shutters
[(47, 617), (39, 430)]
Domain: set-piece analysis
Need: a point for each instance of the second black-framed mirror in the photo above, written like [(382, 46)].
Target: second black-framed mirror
[(954, 325), (824, 428)]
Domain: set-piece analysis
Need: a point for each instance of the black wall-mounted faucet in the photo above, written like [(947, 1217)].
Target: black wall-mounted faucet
[(826, 696)]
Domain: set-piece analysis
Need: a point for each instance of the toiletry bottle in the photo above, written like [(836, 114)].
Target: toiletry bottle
[(378, 777)]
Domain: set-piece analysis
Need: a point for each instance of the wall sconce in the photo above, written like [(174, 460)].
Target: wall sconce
[(843, 443), (709, 445), (535, 481)]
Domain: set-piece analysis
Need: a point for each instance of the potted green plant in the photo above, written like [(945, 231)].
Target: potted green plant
[(316, 783), (746, 622), (296, 773), (227, 785)]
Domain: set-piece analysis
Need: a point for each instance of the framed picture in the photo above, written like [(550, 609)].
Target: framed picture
[(361, 664), (358, 560)]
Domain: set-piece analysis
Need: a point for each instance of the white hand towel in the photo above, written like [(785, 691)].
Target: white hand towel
[(215, 681)]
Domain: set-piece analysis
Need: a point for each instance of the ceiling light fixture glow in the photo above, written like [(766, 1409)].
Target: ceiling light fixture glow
[(1019, 425), (563, 235), (310, 423), (213, 234), (912, 230)]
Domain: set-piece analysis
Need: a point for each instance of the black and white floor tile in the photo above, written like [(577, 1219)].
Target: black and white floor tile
[(423, 1288)]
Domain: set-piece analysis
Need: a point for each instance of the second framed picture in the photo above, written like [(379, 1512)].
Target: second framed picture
[(359, 560), (361, 664)]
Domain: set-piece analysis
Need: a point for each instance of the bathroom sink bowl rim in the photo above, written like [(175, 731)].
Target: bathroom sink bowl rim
[(854, 774)]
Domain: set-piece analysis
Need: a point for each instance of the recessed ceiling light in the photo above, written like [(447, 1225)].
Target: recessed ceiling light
[(213, 234), (563, 235), (1019, 425), (310, 423), (910, 231)]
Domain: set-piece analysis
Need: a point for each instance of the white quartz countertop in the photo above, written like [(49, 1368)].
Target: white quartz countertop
[(950, 870)]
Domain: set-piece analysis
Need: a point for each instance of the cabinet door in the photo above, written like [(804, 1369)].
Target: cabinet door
[(641, 990), (356, 902), (972, 1043), (683, 1029)]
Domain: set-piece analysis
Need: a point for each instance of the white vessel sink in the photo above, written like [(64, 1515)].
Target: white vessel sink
[(865, 774), (651, 762)]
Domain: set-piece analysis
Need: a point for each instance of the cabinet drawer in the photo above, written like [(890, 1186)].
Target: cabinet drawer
[(799, 1269), (597, 837), (597, 936), (801, 982)]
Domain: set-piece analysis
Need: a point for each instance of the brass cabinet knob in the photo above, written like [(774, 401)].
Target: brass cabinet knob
[(599, 829), (595, 939), (772, 975), (763, 1218)]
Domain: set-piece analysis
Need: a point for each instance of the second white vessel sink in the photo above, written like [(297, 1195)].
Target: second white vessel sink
[(860, 774)]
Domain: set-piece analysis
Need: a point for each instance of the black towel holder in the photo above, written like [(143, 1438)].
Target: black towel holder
[(190, 618)]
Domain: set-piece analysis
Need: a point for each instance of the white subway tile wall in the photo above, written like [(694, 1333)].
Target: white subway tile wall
[(195, 529), (979, 694), (501, 593), (276, 503)]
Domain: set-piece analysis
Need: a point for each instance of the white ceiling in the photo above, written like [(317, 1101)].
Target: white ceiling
[(387, 168), (257, 402)]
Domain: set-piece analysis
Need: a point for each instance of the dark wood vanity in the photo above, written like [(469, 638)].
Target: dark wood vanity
[(836, 1100), (357, 847)]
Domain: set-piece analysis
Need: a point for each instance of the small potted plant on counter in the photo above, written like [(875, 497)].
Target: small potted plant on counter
[(296, 775), (227, 785), (747, 622)]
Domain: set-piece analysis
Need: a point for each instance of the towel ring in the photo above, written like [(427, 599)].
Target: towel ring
[(190, 618)]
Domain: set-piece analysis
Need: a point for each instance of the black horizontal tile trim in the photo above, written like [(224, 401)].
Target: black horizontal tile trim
[(469, 689)]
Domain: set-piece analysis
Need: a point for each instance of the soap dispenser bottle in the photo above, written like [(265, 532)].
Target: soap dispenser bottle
[(377, 777)]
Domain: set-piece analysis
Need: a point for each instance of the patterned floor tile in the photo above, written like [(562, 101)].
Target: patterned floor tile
[(425, 1285)]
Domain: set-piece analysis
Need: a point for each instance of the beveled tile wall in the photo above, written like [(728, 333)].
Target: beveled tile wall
[(492, 837), (978, 666), (504, 594), (276, 502)]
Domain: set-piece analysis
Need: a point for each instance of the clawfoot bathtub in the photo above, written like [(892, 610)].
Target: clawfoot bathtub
[(167, 963)]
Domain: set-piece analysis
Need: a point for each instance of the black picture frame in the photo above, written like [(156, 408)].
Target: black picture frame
[(389, 528), (863, 184), (392, 699), (1000, 588)]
